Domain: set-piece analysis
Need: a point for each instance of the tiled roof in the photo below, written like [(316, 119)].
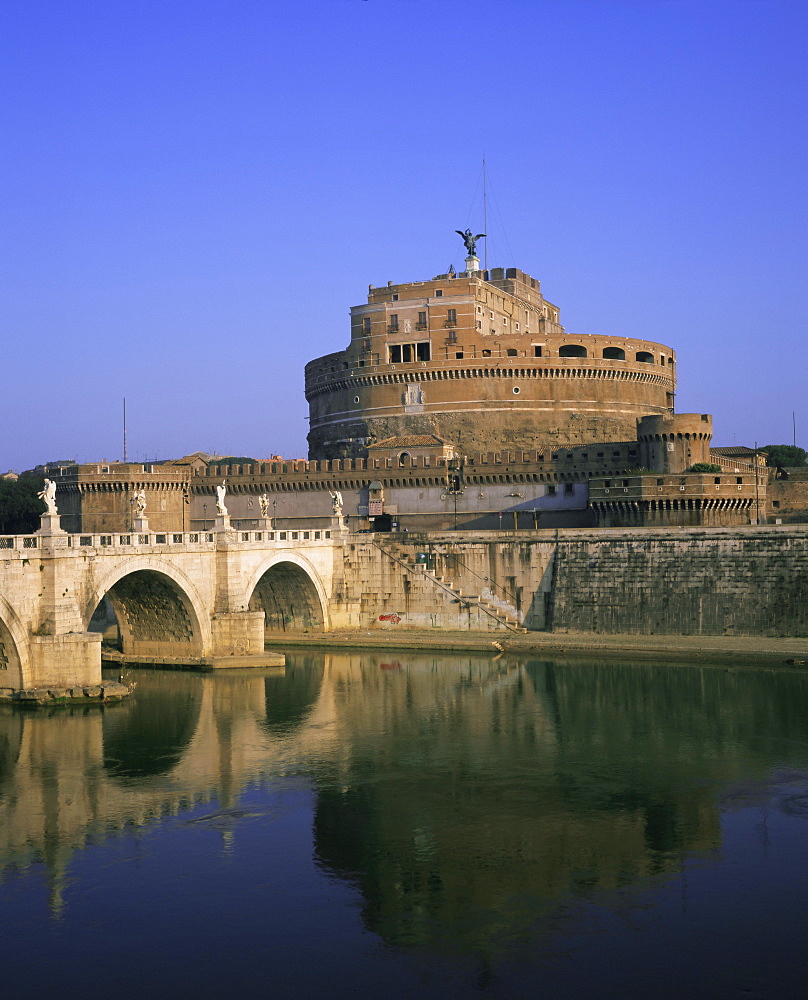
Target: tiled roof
[(737, 452)]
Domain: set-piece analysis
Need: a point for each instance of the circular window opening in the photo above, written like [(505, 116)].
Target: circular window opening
[(356, 399), (516, 390)]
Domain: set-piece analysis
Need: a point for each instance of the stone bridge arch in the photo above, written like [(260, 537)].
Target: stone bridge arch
[(14, 664), (290, 592), (159, 609)]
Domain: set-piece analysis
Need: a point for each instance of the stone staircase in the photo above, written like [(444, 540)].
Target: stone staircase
[(400, 555)]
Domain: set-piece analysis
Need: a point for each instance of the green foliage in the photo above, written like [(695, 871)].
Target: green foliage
[(784, 455), (233, 460), (704, 467), (20, 506)]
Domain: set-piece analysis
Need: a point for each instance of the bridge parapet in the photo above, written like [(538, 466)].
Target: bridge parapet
[(13, 546)]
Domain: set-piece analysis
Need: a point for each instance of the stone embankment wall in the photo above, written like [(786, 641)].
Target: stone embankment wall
[(720, 581)]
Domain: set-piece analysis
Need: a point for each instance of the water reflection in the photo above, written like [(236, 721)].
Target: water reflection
[(148, 734), (468, 800), (290, 695)]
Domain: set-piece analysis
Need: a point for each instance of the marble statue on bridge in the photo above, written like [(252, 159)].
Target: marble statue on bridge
[(263, 503), (336, 503), (140, 502), (48, 494), (221, 493)]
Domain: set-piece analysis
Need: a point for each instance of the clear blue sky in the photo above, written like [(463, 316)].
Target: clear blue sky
[(194, 193)]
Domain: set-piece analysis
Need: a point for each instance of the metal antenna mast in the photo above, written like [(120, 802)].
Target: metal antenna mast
[(124, 428), (485, 219)]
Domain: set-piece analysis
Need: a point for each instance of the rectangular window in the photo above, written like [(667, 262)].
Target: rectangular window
[(423, 352), (395, 354), (406, 352), (422, 318), (536, 351), (551, 491), (366, 324), (393, 321), (395, 296), (459, 355), (438, 293), (451, 315), (568, 489)]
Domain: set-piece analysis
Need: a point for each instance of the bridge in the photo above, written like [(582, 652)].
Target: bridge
[(187, 596), (213, 596)]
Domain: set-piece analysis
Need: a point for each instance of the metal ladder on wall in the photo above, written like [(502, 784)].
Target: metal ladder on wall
[(403, 559)]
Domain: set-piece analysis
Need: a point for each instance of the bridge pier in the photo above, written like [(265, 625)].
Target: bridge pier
[(61, 653), (237, 633)]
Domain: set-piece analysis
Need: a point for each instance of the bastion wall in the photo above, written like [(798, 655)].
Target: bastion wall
[(712, 581)]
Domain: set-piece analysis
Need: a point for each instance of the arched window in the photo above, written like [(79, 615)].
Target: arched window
[(572, 351), (614, 353), (645, 356), (403, 459)]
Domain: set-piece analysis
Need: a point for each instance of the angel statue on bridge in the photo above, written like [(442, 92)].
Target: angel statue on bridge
[(470, 241), (336, 503), (221, 493), (263, 503), (48, 495), (139, 500)]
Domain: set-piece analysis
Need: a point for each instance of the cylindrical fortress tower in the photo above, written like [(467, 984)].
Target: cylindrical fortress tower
[(674, 442), (480, 359)]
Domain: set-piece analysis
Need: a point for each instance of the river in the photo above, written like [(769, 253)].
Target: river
[(403, 824)]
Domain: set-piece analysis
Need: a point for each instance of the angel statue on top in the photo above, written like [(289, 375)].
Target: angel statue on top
[(470, 241), (48, 495), (221, 493)]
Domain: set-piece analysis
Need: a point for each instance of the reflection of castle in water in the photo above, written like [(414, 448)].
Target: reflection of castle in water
[(454, 797)]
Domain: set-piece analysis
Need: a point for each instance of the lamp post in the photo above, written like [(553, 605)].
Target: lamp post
[(454, 484)]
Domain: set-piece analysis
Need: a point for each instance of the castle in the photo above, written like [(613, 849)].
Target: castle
[(461, 401)]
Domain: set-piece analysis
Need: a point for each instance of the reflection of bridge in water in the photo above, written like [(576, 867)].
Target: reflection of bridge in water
[(406, 757)]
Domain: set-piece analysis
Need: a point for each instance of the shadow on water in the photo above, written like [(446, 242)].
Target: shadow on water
[(147, 734), (11, 724), (289, 696)]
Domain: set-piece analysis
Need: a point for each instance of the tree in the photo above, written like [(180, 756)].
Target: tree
[(778, 455), (20, 506), (232, 460), (704, 467)]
